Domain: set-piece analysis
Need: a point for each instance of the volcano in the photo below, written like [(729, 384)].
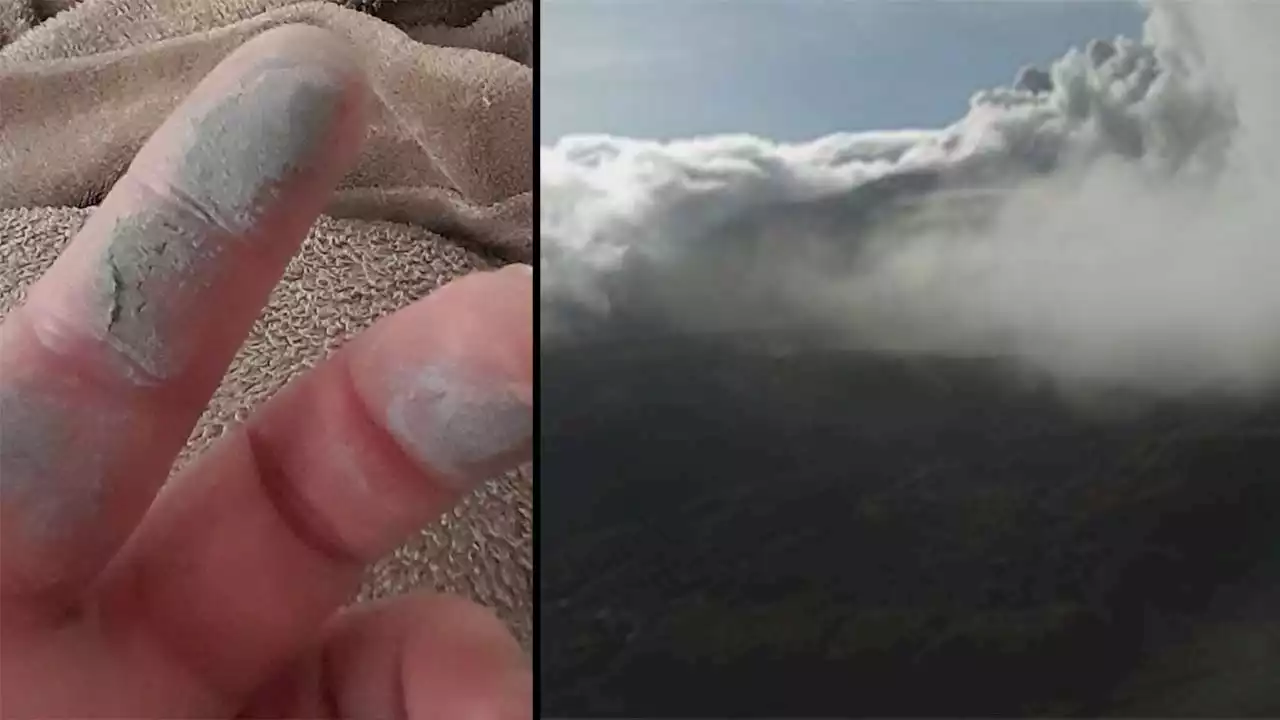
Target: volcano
[(747, 525)]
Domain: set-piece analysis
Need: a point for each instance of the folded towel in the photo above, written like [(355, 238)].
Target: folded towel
[(443, 188)]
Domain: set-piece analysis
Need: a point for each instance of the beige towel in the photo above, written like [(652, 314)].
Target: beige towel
[(443, 188)]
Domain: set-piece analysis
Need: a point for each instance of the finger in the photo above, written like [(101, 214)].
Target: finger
[(246, 554), (104, 371), (413, 657)]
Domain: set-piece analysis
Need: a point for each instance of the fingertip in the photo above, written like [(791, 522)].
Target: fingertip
[(465, 623), (468, 664), (428, 655), (450, 378), (305, 45), (322, 51), (325, 51), (288, 109)]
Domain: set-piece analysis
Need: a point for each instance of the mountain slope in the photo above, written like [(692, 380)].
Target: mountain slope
[(728, 531)]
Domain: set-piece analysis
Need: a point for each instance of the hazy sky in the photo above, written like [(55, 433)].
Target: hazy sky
[(794, 69)]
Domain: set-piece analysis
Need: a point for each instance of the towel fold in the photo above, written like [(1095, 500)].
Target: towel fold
[(444, 187)]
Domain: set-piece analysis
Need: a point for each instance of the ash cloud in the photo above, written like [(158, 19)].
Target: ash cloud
[(1109, 222)]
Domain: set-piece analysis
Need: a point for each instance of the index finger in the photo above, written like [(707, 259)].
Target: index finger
[(106, 368)]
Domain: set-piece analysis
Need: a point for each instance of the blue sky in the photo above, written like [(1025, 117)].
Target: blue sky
[(794, 69)]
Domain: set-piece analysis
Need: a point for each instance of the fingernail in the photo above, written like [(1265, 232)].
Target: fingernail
[(465, 428)]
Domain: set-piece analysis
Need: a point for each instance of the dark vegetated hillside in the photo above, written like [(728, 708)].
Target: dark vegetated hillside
[(730, 532)]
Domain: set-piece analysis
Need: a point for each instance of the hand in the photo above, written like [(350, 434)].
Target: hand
[(220, 595)]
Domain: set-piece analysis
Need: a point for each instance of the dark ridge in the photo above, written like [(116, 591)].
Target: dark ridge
[(733, 532)]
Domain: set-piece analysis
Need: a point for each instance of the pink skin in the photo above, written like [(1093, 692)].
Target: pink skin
[(223, 598)]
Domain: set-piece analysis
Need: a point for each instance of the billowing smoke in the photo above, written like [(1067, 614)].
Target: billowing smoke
[(1110, 222)]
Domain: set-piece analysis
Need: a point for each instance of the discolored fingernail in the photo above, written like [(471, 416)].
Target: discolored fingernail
[(463, 426)]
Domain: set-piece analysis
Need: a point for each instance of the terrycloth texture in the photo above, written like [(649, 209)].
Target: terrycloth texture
[(443, 188)]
